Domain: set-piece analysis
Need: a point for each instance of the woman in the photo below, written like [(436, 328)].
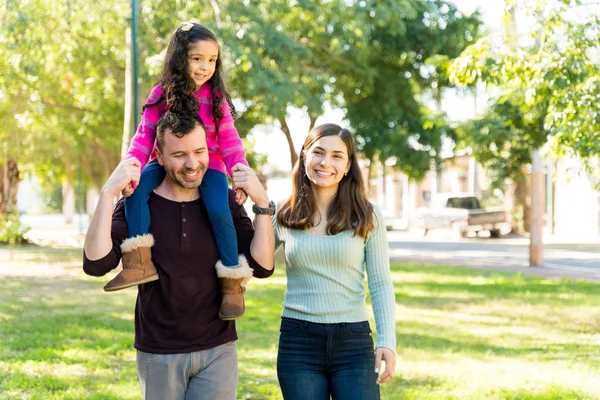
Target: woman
[(331, 235)]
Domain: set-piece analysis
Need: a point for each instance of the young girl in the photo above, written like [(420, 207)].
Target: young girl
[(191, 81), (331, 235)]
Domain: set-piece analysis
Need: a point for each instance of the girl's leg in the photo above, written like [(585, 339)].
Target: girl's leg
[(233, 269), (138, 267), (215, 193), (137, 212)]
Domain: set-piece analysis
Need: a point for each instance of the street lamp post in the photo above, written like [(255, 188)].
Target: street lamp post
[(134, 63)]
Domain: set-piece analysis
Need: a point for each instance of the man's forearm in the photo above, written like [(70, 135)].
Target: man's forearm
[(262, 247), (98, 242)]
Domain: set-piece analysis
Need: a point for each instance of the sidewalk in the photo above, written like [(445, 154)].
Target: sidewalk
[(53, 231), (543, 272)]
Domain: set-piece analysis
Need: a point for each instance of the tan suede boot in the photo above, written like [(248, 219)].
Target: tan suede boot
[(233, 287), (138, 267)]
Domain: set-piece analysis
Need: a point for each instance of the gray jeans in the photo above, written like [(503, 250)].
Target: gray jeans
[(202, 375)]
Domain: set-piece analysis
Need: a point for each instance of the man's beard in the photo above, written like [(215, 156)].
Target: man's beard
[(177, 177)]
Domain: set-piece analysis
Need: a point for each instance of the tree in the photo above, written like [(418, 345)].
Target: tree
[(550, 89), (392, 55), (62, 68), (62, 87)]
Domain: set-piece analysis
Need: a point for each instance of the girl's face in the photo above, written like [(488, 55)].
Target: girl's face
[(326, 162), (202, 60)]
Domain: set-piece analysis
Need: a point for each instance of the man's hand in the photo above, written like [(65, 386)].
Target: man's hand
[(244, 178), (387, 355), (120, 180)]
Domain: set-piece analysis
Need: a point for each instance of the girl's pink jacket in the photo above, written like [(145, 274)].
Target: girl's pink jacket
[(225, 148)]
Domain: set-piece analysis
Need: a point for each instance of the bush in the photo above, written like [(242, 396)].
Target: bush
[(12, 230)]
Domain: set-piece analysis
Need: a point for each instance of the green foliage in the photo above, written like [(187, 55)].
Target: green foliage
[(550, 90), (63, 74), (62, 87), (12, 231)]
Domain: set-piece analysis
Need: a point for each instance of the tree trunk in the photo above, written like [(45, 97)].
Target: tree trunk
[(286, 130), (371, 173), (92, 173), (9, 186), (523, 199), (510, 204), (68, 194), (313, 121)]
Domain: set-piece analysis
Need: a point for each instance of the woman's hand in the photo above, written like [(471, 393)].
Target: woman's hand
[(387, 355)]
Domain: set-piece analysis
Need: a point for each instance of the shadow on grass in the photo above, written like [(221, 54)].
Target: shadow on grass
[(37, 254), (483, 286), (552, 392), (401, 388), (64, 338)]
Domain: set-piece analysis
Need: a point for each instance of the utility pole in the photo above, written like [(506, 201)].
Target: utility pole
[(131, 115), (134, 63), (127, 124)]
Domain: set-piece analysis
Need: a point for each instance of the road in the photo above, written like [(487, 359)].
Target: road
[(574, 255)]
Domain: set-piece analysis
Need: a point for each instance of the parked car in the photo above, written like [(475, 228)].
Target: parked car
[(462, 214)]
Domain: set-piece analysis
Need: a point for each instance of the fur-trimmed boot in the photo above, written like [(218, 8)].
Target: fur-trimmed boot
[(138, 267), (233, 286)]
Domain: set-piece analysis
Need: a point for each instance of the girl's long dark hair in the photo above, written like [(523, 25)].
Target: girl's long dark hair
[(349, 210), (178, 87)]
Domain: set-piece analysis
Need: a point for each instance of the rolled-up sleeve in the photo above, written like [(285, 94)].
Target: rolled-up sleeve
[(109, 262)]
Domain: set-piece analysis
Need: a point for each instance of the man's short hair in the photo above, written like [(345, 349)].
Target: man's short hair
[(178, 124)]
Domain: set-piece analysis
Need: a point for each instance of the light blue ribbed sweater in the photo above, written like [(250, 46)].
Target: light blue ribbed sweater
[(325, 278)]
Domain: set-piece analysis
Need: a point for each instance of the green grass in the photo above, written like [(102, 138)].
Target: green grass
[(462, 334)]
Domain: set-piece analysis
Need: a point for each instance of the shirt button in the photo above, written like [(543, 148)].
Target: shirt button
[(185, 235), (183, 206), (184, 220)]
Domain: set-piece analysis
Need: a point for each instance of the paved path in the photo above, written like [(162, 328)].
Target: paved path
[(563, 257)]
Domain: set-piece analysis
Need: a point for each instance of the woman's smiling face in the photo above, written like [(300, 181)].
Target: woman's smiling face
[(326, 161)]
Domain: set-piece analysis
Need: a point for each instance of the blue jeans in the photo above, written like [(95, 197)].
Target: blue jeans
[(215, 193), (316, 361)]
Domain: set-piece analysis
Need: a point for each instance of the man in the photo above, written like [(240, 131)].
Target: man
[(184, 350)]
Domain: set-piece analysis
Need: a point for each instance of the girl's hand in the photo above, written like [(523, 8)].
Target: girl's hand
[(243, 177), (128, 191), (387, 355), (240, 196)]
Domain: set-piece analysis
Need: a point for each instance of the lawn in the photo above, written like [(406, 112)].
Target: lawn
[(462, 334)]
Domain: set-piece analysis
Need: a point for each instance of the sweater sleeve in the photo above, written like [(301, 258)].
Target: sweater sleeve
[(380, 283), (230, 144), (245, 234), (278, 239), (142, 143)]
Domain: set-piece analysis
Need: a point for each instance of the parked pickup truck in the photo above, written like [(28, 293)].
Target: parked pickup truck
[(462, 214)]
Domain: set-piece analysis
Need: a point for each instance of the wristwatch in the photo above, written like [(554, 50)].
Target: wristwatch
[(268, 211)]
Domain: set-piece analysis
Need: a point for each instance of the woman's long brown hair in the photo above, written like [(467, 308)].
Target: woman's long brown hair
[(349, 210)]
